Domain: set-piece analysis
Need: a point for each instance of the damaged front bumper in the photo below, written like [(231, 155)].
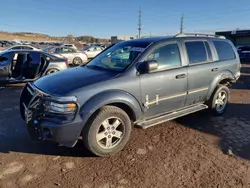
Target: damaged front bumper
[(63, 129)]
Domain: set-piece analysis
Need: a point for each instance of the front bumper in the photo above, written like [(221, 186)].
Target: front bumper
[(63, 134), (43, 126)]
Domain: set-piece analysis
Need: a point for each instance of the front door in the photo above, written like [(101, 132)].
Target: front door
[(5, 66), (164, 89)]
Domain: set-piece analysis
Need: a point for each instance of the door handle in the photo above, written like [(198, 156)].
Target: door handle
[(214, 69), (180, 76)]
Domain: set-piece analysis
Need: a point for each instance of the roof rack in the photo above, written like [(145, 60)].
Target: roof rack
[(198, 34)]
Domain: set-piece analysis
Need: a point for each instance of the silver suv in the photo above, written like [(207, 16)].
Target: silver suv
[(150, 81)]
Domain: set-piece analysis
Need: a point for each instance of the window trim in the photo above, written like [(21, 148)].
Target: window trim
[(203, 62), (161, 45), (218, 59)]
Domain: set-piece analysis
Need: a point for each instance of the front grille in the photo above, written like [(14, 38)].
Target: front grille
[(32, 103), (35, 101)]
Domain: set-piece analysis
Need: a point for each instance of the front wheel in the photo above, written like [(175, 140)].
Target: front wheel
[(107, 132), (219, 100)]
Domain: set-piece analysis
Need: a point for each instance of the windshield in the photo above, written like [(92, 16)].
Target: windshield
[(118, 57)]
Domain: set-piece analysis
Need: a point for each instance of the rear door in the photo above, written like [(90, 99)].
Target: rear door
[(226, 56), (201, 70), (5, 66)]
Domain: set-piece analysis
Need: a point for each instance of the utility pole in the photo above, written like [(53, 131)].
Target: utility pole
[(181, 27), (139, 24)]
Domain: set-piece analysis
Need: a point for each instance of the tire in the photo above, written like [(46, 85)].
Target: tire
[(77, 61), (51, 71), (108, 124), (219, 100)]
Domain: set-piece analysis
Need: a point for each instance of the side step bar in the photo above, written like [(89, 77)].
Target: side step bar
[(151, 122)]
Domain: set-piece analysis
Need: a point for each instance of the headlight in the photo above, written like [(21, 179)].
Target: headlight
[(60, 108), (61, 105)]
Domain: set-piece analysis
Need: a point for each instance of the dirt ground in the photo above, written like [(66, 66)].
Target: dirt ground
[(194, 151)]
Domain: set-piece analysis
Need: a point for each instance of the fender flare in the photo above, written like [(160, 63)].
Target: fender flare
[(109, 97), (223, 75)]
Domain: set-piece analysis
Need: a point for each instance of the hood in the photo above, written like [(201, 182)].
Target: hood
[(61, 83)]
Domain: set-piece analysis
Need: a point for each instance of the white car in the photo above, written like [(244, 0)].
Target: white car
[(74, 57), (92, 51), (22, 47), (69, 45)]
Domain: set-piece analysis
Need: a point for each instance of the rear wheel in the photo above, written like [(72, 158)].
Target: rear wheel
[(107, 132), (219, 100), (51, 71), (77, 61)]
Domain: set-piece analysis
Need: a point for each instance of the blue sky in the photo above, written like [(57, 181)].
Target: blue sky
[(104, 18)]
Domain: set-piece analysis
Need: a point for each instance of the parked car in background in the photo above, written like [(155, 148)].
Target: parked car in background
[(69, 45), (28, 66), (163, 78), (74, 57), (244, 53), (92, 51), (22, 47)]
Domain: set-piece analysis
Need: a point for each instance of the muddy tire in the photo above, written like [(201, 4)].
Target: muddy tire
[(107, 131), (219, 100)]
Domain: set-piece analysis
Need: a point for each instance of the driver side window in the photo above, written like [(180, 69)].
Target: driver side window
[(167, 56)]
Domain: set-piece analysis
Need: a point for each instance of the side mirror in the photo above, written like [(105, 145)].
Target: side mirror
[(152, 65), (148, 66)]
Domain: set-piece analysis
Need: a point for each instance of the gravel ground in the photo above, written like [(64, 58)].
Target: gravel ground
[(194, 151)]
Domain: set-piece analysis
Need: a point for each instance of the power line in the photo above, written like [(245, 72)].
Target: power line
[(139, 24)]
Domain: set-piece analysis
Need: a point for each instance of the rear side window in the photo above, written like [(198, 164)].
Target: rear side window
[(197, 52), (224, 50)]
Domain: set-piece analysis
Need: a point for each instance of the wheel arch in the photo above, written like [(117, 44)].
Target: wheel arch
[(224, 78), (120, 99)]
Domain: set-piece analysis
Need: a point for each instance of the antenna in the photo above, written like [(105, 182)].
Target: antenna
[(139, 24), (182, 20)]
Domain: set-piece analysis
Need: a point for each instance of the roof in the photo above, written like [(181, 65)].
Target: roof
[(22, 50), (152, 39)]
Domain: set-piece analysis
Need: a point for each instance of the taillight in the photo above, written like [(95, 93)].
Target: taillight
[(67, 63)]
